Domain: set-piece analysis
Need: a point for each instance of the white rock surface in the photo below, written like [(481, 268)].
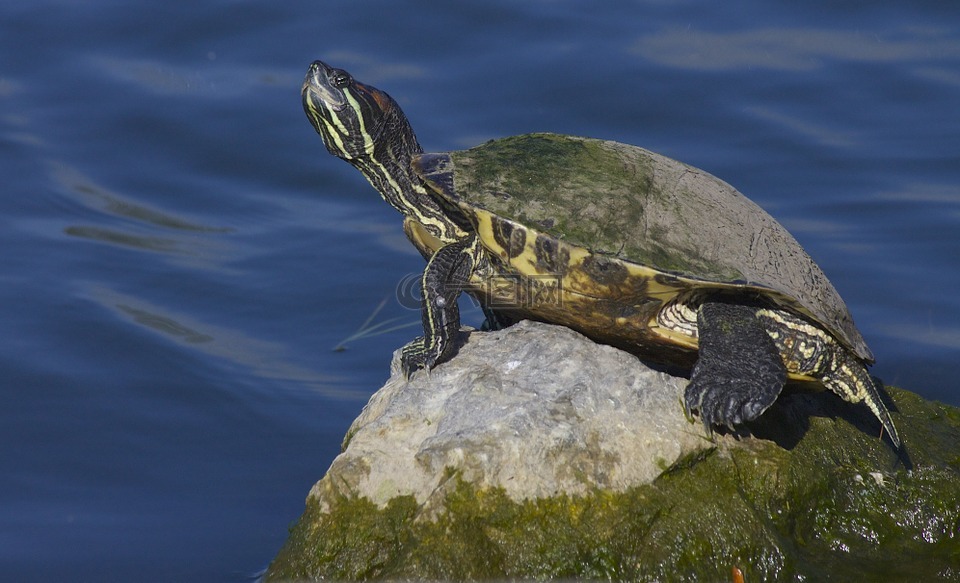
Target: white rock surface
[(535, 409)]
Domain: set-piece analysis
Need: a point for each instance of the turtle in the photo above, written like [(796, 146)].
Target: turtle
[(629, 247)]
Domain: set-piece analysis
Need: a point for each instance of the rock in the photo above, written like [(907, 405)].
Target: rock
[(535, 409), (536, 453)]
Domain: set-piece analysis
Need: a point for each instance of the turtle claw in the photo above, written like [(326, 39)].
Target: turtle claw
[(725, 404), (739, 373), (418, 355), (753, 409), (408, 368), (415, 356)]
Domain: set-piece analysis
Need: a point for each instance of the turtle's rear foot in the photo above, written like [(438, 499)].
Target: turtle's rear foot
[(494, 320), (739, 373), (811, 351), (848, 377)]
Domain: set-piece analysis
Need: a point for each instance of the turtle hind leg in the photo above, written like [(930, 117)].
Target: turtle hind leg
[(441, 284), (494, 319), (739, 372), (847, 377), (806, 349)]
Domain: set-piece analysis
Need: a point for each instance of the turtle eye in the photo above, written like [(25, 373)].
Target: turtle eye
[(341, 79)]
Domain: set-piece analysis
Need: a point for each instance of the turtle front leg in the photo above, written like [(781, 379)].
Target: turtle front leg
[(739, 372), (442, 282)]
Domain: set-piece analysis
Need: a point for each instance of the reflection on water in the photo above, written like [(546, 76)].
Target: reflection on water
[(375, 68), (142, 227), (933, 331), (159, 77), (795, 49), (99, 198), (262, 358), (144, 242), (164, 324), (824, 136), (945, 196)]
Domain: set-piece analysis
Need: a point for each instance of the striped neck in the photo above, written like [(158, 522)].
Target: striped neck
[(388, 165), (389, 170), (365, 126)]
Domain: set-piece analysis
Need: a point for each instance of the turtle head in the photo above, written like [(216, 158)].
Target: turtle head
[(365, 126), (356, 121)]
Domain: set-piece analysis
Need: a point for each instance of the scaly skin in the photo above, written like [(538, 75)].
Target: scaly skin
[(747, 343)]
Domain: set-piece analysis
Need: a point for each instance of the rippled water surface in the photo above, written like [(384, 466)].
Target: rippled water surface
[(180, 256)]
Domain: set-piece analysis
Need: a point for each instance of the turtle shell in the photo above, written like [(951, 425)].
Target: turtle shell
[(600, 235)]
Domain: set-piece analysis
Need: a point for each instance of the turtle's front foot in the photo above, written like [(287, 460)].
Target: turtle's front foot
[(420, 353), (414, 356), (443, 279)]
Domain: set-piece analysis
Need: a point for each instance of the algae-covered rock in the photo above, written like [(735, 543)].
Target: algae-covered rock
[(536, 453)]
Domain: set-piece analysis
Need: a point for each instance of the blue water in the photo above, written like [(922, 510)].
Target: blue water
[(180, 256)]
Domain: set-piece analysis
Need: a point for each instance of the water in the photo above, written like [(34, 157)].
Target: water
[(180, 255)]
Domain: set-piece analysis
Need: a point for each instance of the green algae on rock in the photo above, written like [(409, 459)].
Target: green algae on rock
[(777, 514), (814, 495)]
